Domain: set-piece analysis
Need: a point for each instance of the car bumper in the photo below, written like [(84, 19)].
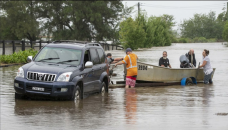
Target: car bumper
[(51, 89)]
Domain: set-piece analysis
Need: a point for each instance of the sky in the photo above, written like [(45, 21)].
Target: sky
[(179, 9)]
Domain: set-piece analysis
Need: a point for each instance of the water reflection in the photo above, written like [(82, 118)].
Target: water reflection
[(130, 105), (30, 107)]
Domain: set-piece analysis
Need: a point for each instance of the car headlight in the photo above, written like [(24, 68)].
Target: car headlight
[(64, 77), (20, 73)]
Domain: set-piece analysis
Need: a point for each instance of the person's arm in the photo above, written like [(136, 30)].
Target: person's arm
[(204, 63), (119, 63), (114, 62), (170, 66), (118, 59), (194, 60), (123, 61), (160, 63)]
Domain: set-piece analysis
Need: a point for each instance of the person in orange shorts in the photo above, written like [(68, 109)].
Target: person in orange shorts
[(131, 65)]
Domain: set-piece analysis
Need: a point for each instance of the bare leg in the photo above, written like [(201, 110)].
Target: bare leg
[(127, 86)]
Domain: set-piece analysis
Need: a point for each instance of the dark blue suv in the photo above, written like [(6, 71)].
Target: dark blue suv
[(66, 70)]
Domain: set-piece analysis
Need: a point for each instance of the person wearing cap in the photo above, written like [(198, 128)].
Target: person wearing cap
[(131, 65), (164, 61), (191, 57)]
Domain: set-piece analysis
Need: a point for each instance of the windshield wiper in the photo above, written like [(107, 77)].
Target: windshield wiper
[(66, 61), (47, 59)]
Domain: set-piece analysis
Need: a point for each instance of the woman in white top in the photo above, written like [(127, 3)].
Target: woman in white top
[(208, 70)]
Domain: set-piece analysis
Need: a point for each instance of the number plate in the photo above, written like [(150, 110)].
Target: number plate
[(37, 88)]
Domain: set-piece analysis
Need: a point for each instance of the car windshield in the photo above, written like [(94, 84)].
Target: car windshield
[(59, 56)]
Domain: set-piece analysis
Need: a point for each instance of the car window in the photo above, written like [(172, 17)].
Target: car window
[(101, 55), (86, 56), (59, 55), (94, 56)]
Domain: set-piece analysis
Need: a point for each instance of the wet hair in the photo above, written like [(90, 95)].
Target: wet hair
[(206, 51), (109, 54)]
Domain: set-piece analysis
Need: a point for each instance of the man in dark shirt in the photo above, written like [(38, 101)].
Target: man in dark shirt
[(111, 60), (164, 61), (191, 57)]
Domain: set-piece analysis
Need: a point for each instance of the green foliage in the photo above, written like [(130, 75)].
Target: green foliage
[(146, 32), (196, 40), (132, 34), (18, 57), (20, 20), (80, 20), (202, 25), (225, 32), (182, 40)]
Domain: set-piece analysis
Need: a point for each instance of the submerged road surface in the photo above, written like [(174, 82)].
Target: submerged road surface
[(203, 107)]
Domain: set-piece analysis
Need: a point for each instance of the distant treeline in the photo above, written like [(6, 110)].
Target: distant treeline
[(144, 32), (104, 20)]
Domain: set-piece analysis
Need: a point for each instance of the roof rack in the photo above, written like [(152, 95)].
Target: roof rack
[(87, 43), (69, 41)]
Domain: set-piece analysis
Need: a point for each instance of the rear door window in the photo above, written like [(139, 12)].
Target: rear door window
[(101, 55), (94, 56)]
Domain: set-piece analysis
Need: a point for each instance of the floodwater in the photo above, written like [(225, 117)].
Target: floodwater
[(203, 107)]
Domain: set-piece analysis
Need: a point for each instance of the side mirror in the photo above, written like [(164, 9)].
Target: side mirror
[(29, 59), (89, 64)]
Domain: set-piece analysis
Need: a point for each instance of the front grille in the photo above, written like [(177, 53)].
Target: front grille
[(47, 90), (41, 76)]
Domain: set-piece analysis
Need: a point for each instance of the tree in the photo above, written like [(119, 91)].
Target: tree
[(21, 19), (132, 34), (80, 20), (202, 25), (83, 20), (225, 32), (146, 32)]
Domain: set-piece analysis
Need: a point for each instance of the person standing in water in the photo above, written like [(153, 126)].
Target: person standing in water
[(208, 70)]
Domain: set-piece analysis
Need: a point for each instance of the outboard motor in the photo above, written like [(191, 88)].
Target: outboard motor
[(184, 62)]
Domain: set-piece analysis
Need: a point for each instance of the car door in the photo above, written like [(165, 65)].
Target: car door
[(88, 74), (102, 64), (95, 68)]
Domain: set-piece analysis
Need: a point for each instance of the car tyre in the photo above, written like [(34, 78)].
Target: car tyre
[(104, 88), (77, 94)]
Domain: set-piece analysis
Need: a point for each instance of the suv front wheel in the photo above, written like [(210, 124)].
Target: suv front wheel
[(104, 88), (76, 93)]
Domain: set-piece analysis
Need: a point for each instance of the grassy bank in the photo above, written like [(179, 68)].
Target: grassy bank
[(17, 57)]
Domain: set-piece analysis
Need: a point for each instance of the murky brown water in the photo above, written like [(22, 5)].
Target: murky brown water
[(171, 107)]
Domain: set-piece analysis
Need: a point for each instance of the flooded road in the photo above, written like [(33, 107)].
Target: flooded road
[(200, 106)]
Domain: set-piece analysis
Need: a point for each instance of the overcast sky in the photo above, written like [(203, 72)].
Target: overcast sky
[(179, 9)]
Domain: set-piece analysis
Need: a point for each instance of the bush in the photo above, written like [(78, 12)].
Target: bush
[(182, 40), (212, 40), (18, 57)]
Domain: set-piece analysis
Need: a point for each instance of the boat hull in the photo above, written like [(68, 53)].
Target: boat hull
[(153, 73)]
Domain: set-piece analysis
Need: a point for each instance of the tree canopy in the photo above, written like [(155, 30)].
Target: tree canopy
[(143, 32), (202, 25), (81, 20), (225, 32)]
